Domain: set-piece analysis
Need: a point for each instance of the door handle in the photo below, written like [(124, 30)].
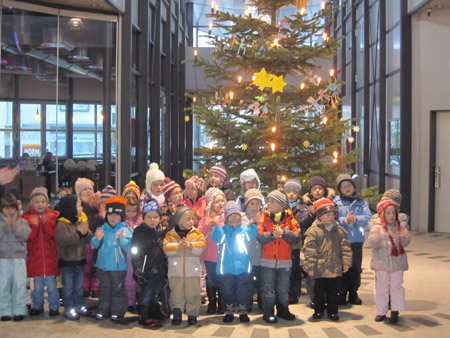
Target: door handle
[(437, 177)]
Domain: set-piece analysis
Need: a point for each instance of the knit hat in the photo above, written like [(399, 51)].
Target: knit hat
[(382, 205), (317, 180), (179, 214), (294, 185), (132, 186), (323, 206), (197, 183), (232, 208), (151, 205), (394, 195), (116, 205), (281, 198), (153, 174), (210, 196), (221, 171), (83, 184), (252, 194), (169, 186), (107, 192), (247, 176), (67, 207), (342, 178), (39, 191)]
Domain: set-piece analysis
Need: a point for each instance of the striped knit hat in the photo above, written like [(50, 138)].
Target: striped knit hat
[(210, 196), (281, 198), (132, 186), (169, 187), (107, 192), (323, 206), (197, 183), (221, 171)]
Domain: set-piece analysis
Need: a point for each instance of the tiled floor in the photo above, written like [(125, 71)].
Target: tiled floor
[(427, 285)]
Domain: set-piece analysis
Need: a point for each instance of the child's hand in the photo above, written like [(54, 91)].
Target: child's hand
[(278, 232), (345, 269), (187, 244), (311, 273), (350, 218), (13, 219), (256, 217), (121, 234), (99, 234)]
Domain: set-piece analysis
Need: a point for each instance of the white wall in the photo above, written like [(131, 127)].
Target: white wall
[(430, 91)]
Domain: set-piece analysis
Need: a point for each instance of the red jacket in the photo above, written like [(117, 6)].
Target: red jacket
[(199, 207), (42, 256)]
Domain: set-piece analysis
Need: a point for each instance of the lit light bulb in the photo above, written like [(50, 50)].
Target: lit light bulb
[(274, 129), (272, 146), (194, 99), (323, 4), (254, 77), (319, 80), (302, 11), (335, 155), (275, 43), (213, 5), (231, 95), (217, 9), (302, 85), (283, 178), (325, 120), (101, 116), (248, 11), (37, 116), (210, 27), (195, 54), (331, 72), (325, 36), (239, 79)]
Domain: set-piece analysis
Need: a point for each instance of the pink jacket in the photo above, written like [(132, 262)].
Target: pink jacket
[(206, 227)]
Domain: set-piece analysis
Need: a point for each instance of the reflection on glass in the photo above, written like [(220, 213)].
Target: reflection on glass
[(51, 142), (50, 116), (6, 144), (394, 142), (30, 116), (30, 142)]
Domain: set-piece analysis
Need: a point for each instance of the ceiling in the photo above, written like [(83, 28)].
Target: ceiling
[(100, 5)]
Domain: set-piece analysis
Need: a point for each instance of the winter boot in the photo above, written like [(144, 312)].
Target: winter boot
[(176, 316), (354, 299), (144, 319), (212, 299), (155, 312)]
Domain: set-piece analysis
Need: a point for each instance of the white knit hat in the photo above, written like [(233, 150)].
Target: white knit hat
[(83, 184), (247, 176), (153, 174)]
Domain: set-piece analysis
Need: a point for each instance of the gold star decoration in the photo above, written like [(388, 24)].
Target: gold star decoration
[(306, 143), (356, 129), (351, 139), (187, 118), (184, 174), (244, 146), (277, 83), (262, 79)]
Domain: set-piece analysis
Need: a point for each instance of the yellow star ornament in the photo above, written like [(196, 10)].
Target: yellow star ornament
[(187, 118), (278, 84), (262, 79), (306, 143), (356, 129), (244, 146)]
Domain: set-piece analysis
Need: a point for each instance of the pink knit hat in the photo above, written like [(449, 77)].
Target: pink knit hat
[(197, 183), (210, 196), (83, 184)]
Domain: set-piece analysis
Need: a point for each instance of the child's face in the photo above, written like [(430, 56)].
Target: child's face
[(86, 195), (130, 194), (131, 212), (327, 218), (273, 206), (234, 220), (9, 211), (292, 195), (19, 206), (250, 184), (254, 205), (347, 188), (390, 214), (317, 191), (39, 203), (79, 207), (113, 219), (214, 180), (218, 204), (157, 187), (176, 197), (187, 220), (191, 192), (152, 219)]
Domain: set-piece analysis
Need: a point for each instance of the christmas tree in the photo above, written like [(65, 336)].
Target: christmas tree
[(255, 120)]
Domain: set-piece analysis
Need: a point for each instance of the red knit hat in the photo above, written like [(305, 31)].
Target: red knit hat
[(169, 186), (323, 206), (132, 186)]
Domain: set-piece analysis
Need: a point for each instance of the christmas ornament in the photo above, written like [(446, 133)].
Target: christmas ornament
[(278, 84), (356, 129), (262, 79), (351, 139), (184, 174), (306, 144), (187, 118), (244, 146)]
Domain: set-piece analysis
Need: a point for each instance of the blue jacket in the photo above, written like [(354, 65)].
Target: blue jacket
[(112, 250), (234, 248), (361, 211)]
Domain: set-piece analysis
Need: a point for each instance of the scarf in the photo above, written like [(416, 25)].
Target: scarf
[(352, 197), (278, 217), (396, 251), (181, 232)]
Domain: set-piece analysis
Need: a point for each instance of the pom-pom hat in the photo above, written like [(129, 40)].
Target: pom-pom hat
[(153, 174), (132, 186), (116, 205), (107, 192), (197, 183), (221, 171), (169, 187)]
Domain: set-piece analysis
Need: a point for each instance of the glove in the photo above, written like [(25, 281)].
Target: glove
[(140, 278)]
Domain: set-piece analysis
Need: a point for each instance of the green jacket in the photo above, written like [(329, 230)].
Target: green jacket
[(326, 252)]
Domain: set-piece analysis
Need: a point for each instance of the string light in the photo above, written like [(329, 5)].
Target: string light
[(239, 79), (319, 80), (231, 94), (302, 11), (194, 99), (323, 4), (335, 155), (283, 178), (325, 120), (210, 27), (102, 116), (213, 5), (302, 85), (332, 72), (274, 129), (272, 146), (217, 9), (195, 54), (275, 43), (248, 11), (325, 36), (254, 77)]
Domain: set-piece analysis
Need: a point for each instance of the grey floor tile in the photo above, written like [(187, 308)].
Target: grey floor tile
[(333, 332), (260, 333), (425, 321), (442, 315), (223, 332), (297, 333), (367, 330)]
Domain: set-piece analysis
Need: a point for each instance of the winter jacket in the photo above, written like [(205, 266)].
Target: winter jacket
[(71, 243), (361, 211), (91, 212), (42, 256), (382, 246), (255, 246), (375, 220), (326, 252), (184, 262), (112, 250), (206, 227), (276, 252), (147, 252), (296, 211), (234, 246), (199, 207), (13, 239)]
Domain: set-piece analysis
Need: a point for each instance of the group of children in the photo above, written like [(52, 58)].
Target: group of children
[(159, 251)]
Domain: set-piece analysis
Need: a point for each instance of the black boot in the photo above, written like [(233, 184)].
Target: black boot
[(212, 299), (221, 303), (144, 318), (354, 299), (176, 316), (394, 317), (155, 312)]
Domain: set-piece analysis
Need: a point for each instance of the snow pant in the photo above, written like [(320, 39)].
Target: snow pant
[(325, 291), (275, 289), (185, 293), (296, 275), (236, 290), (310, 287), (90, 282), (38, 292), (13, 287), (72, 291), (148, 294), (112, 296), (389, 284), (256, 272), (351, 280), (130, 283)]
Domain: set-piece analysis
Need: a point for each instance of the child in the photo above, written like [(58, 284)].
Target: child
[(389, 260), (317, 189), (184, 245), (195, 189), (353, 215), (90, 283), (42, 256), (14, 232), (72, 234), (154, 183), (249, 180), (233, 266), (218, 178), (293, 190), (113, 240), (131, 189), (149, 268), (174, 196), (214, 216), (327, 254), (394, 195), (277, 230)]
